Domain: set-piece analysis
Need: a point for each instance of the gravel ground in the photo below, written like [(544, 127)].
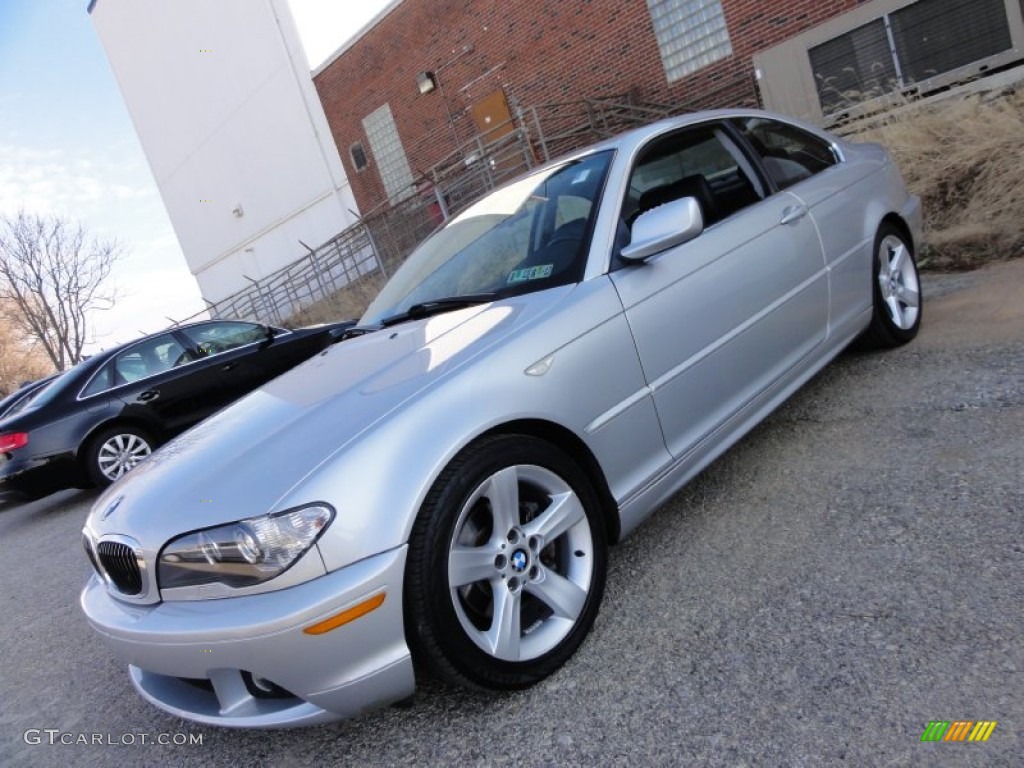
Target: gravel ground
[(850, 571)]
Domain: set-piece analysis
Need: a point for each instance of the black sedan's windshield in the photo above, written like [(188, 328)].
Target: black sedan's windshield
[(530, 235)]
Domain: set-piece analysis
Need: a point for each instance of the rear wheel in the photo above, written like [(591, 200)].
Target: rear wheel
[(114, 452), (506, 564), (896, 289)]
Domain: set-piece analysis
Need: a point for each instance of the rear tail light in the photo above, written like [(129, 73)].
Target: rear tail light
[(12, 441)]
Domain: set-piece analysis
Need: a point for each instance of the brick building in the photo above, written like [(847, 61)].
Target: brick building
[(428, 75)]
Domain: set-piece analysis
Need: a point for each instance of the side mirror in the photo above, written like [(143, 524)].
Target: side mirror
[(664, 227), (340, 332), (269, 332)]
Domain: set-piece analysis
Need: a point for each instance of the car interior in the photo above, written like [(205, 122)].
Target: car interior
[(703, 164), (789, 155)]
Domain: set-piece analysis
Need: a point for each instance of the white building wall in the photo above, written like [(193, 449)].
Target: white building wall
[(226, 111)]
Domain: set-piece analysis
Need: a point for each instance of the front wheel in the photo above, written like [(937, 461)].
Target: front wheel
[(506, 565), (896, 290), (114, 452)]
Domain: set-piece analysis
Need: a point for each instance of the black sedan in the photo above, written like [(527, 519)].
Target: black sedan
[(98, 420), (20, 397)]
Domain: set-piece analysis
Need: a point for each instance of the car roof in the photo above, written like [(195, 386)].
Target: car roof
[(106, 354), (633, 138), (88, 366)]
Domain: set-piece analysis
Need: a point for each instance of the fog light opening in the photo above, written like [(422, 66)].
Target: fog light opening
[(262, 688), (264, 685)]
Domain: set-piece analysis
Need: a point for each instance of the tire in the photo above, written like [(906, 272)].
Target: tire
[(114, 452), (483, 545), (896, 290)]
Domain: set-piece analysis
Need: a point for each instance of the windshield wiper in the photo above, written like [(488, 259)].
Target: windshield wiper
[(352, 331), (437, 306)]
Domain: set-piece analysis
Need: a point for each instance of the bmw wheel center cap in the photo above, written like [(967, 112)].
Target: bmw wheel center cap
[(519, 560)]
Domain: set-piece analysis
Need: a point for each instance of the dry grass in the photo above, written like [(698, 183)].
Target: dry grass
[(965, 157), (348, 303)]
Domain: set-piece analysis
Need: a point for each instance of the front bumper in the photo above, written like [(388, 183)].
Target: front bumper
[(197, 659)]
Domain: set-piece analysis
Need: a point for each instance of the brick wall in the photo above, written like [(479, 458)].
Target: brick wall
[(539, 52)]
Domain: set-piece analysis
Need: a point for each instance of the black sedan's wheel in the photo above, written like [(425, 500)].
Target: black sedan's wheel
[(896, 289), (115, 451), (506, 564)]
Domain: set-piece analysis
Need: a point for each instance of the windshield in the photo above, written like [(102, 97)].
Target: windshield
[(530, 235)]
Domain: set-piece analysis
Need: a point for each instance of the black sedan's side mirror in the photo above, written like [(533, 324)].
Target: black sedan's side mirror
[(269, 332), (664, 227), (342, 331)]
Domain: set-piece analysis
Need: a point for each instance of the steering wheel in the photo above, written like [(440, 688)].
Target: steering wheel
[(564, 239)]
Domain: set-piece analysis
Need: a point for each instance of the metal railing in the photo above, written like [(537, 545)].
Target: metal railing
[(339, 262), (384, 236)]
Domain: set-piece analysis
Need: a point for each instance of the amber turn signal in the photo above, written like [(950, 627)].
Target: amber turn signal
[(350, 614)]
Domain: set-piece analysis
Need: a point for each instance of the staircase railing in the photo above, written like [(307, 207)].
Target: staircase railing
[(379, 242)]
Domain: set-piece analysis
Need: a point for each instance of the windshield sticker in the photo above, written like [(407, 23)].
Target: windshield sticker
[(581, 176), (532, 273)]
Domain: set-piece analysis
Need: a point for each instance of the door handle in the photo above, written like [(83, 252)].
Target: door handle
[(229, 366), (149, 394), (793, 213)]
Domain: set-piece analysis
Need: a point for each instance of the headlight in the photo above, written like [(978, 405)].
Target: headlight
[(244, 553)]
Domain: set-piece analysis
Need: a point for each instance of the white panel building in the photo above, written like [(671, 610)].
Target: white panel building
[(226, 111)]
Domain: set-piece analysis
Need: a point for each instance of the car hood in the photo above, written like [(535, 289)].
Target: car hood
[(240, 462)]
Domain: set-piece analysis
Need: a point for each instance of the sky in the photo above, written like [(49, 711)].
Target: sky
[(67, 147)]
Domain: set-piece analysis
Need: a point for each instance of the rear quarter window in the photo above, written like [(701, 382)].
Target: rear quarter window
[(789, 154), (101, 382)]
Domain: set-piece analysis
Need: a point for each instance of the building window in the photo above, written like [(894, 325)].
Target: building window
[(358, 155), (691, 34), (387, 149)]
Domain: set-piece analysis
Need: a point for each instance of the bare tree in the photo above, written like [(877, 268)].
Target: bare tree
[(54, 273), (21, 358)]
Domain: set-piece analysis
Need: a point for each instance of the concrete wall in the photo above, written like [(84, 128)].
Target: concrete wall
[(220, 94)]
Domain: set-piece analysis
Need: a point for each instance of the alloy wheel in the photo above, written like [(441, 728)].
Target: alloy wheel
[(121, 453), (898, 282), (520, 563)]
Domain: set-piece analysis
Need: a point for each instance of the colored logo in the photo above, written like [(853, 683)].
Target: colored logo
[(958, 730), (519, 561)]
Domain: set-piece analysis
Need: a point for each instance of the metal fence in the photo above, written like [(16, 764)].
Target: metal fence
[(384, 236), (339, 262)]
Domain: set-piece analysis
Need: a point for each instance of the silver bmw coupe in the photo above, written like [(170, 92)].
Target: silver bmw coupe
[(438, 490)]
